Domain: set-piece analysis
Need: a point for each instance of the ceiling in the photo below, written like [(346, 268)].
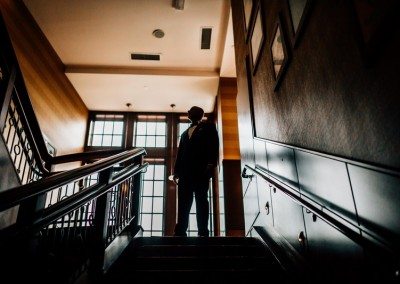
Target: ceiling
[(95, 38)]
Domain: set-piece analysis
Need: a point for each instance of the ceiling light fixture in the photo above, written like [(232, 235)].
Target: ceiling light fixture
[(158, 33), (178, 4)]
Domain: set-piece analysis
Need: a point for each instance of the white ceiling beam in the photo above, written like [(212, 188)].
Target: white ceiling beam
[(88, 69)]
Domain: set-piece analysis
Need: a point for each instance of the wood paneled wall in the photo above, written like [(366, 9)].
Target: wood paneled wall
[(228, 118), (61, 113), (328, 99), (230, 157)]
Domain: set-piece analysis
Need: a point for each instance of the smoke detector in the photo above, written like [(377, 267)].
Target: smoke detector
[(158, 33)]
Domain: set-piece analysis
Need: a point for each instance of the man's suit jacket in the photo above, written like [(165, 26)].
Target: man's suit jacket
[(196, 152)]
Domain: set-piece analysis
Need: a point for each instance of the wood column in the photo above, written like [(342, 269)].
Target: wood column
[(230, 157)]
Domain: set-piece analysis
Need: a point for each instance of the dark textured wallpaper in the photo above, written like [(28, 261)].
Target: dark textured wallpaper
[(330, 99)]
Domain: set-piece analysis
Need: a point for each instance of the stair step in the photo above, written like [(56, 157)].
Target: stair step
[(195, 241), (195, 250), (196, 263), (194, 260), (196, 276)]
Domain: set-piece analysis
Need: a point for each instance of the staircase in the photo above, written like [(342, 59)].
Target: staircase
[(195, 260)]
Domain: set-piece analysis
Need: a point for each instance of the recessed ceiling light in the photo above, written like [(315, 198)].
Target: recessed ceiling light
[(158, 33)]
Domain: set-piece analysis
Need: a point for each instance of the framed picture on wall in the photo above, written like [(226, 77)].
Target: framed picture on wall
[(249, 77), (298, 11), (247, 9), (279, 53), (257, 37)]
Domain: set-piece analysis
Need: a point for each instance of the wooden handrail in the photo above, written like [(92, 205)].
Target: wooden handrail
[(15, 196), (84, 156), (56, 211)]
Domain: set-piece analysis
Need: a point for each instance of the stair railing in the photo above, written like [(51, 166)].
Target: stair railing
[(389, 253), (18, 125), (86, 210)]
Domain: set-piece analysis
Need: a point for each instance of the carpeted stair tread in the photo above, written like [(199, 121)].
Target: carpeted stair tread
[(197, 259)]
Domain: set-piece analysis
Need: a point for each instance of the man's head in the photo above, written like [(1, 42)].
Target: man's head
[(195, 114)]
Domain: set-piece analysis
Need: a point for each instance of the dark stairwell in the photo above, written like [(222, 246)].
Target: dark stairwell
[(90, 235), (195, 260)]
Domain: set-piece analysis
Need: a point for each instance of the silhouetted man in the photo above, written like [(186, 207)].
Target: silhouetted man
[(195, 163)]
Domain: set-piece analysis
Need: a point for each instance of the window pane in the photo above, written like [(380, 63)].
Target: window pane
[(141, 128), (158, 188), (98, 127), (192, 222), (183, 127), (149, 173), (160, 141), (106, 140), (157, 222), (161, 128), (158, 204), (96, 140), (150, 141), (146, 222), (117, 140), (140, 141), (159, 172), (151, 128), (108, 127), (146, 204), (118, 127), (157, 234), (147, 188)]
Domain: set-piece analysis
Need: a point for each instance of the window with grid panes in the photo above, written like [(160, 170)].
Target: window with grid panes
[(182, 126), (152, 198), (106, 130), (151, 131)]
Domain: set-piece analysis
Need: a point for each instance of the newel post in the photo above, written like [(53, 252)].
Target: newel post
[(136, 193), (100, 224)]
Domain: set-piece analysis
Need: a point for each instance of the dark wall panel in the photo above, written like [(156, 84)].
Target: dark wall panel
[(265, 218), (260, 153), (377, 197), (281, 163), (288, 219), (326, 181), (333, 255), (250, 203)]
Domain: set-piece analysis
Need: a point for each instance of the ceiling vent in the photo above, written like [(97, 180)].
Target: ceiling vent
[(143, 56), (206, 38), (178, 4)]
